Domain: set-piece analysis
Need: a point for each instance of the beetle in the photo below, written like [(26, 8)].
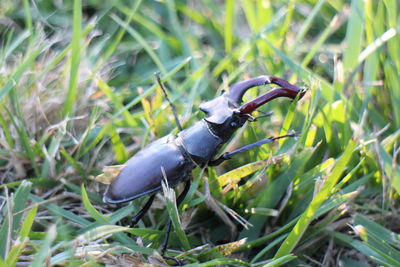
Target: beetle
[(174, 156)]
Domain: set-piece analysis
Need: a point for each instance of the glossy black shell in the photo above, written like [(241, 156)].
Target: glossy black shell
[(143, 172), (199, 142), (178, 155)]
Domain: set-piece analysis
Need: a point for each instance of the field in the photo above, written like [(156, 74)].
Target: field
[(78, 95)]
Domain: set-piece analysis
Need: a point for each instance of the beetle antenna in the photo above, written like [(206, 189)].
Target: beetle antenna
[(264, 115), (178, 124)]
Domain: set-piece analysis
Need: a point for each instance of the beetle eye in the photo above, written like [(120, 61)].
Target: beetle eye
[(233, 124)]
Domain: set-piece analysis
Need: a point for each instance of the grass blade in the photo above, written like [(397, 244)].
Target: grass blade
[(354, 33), (174, 215), (89, 207), (302, 224), (142, 42), (280, 261), (307, 24), (229, 14), (22, 241), (75, 59), (43, 255), (22, 67)]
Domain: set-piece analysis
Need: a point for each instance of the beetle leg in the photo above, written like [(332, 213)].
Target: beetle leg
[(229, 155), (179, 200), (143, 211), (178, 124), (166, 237), (177, 261)]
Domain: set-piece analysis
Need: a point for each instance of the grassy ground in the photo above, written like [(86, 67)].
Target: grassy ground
[(77, 93)]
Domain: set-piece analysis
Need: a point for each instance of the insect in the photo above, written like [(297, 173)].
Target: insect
[(175, 156)]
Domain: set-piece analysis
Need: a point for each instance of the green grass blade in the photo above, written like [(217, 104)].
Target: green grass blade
[(269, 247), (307, 24), (179, 30), (28, 17), (15, 252), (22, 241), (220, 262), (21, 129), (45, 248), (19, 204), (106, 89), (385, 235), (99, 232), (228, 35), (74, 163), (174, 215), (390, 170), (290, 116), (120, 152), (51, 65), (22, 67), (48, 167), (360, 246), (28, 222), (327, 90), (152, 88), (280, 261), (76, 41), (9, 49), (89, 207), (288, 19), (334, 24), (354, 35), (273, 193), (302, 224), (393, 82), (370, 251), (60, 211), (135, 34), (13, 214), (331, 204), (392, 18), (234, 176), (250, 14), (7, 133), (118, 38)]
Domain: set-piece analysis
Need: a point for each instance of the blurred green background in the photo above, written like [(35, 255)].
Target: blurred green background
[(78, 93)]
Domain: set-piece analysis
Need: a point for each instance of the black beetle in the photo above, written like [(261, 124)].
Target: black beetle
[(175, 156)]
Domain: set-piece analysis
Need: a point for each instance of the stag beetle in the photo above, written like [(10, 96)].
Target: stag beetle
[(175, 156)]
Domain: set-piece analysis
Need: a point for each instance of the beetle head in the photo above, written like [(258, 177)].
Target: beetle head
[(222, 116), (225, 114)]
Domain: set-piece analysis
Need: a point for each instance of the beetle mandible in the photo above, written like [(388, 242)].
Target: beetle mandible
[(175, 156)]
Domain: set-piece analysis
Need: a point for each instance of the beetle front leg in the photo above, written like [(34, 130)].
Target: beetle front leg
[(229, 155), (143, 211)]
